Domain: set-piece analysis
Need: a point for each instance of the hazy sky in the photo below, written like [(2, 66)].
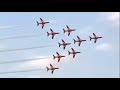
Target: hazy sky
[(95, 60)]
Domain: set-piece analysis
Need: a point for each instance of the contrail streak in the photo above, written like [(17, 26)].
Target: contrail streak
[(13, 37), (21, 71), (25, 48), (33, 59), (4, 27)]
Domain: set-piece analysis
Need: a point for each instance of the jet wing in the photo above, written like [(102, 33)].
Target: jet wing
[(64, 47), (51, 30), (52, 71), (42, 26), (52, 36), (58, 59), (63, 41), (69, 34), (94, 35), (57, 53), (79, 43), (73, 55), (73, 50), (67, 26), (95, 41), (78, 37), (41, 19), (51, 65)]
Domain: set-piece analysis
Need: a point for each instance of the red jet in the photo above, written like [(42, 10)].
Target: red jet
[(52, 33), (94, 37), (73, 52), (42, 23), (78, 40), (69, 30), (64, 44), (52, 68), (58, 56)]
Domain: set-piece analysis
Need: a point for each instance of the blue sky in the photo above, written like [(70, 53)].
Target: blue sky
[(99, 60)]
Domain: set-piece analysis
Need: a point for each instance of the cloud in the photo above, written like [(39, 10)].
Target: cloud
[(5, 27), (104, 47), (112, 17), (42, 63), (86, 30)]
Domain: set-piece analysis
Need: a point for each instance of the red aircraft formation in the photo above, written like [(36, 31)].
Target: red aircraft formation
[(52, 33), (58, 56), (78, 40), (73, 52), (94, 37), (64, 44), (42, 23), (52, 68), (69, 30)]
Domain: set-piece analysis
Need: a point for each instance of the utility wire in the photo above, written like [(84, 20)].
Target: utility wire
[(21, 71), (25, 48), (33, 59)]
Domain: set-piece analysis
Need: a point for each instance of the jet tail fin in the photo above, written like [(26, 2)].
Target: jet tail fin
[(47, 68), (53, 57), (64, 30), (74, 41), (37, 23), (90, 38), (59, 44), (68, 52), (47, 34)]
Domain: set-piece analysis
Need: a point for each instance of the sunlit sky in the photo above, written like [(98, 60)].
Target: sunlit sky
[(100, 60)]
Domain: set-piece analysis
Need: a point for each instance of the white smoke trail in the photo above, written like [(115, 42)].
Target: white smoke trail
[(25, 48), (13, 37), (5, 27)]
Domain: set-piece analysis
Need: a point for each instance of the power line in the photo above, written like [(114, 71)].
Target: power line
[(14, 37), (25, 48), (21, 71), (33, 59)]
